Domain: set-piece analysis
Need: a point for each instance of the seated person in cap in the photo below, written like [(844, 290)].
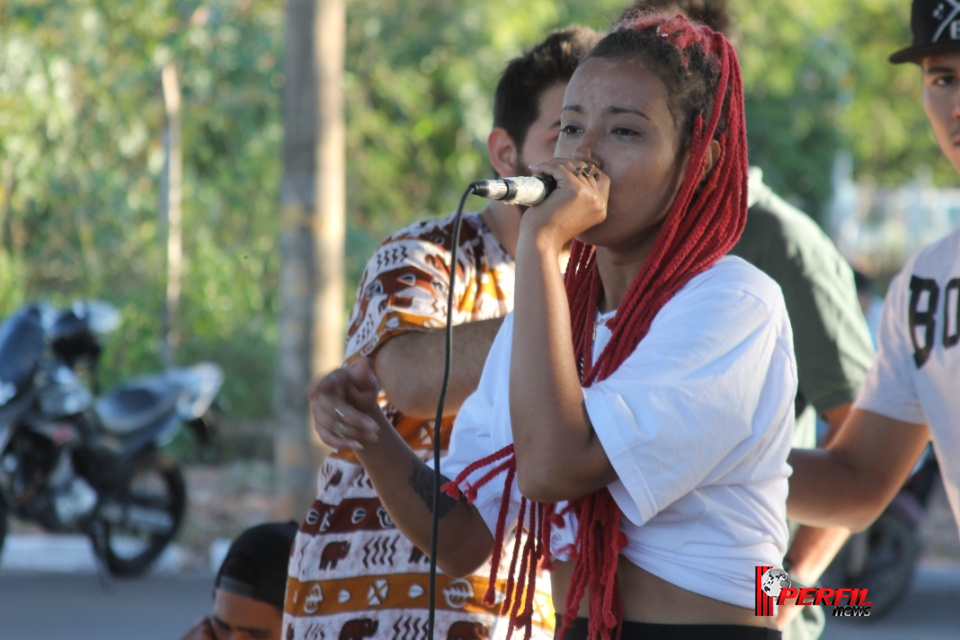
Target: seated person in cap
[(249, 589)]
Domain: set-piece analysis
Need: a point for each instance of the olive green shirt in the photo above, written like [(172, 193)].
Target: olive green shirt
[(830, 335)]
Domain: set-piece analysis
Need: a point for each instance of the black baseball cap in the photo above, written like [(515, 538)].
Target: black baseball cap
[(256, 564), (936, 29)]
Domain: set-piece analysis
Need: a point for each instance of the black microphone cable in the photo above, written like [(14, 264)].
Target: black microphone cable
[(447, 360), (524, 191)]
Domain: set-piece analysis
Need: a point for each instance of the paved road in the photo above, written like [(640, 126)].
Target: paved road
[(51, 606), (930, 611)]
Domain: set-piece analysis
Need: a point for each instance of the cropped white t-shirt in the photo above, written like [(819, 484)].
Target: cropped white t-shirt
[(697, 422)]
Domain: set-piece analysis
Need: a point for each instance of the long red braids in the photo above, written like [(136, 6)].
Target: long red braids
[(700, 70)]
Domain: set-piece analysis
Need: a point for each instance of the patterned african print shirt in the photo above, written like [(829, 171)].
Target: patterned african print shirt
[(352, 574)]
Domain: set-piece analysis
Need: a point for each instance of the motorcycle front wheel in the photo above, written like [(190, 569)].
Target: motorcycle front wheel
[(141, 517)]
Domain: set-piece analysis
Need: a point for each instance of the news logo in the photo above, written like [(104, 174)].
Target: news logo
[(769, 582), (773, 585)]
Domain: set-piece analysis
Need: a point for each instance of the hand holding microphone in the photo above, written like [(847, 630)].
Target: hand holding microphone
[(582, 204), (527, 191), (578, 203)]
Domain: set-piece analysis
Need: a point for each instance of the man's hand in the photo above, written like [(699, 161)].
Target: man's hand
[(809, 555), (344, 406), (786, 613)]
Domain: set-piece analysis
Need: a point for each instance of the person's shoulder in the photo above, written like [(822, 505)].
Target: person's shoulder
[(734, 271), (424, 242), (938, 258), (732, 277), (774, 214), (770, 218), (731, 297), (438, 231), (942, 252)]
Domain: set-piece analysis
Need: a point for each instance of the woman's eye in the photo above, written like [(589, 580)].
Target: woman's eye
[(569, 130), (623, 131)]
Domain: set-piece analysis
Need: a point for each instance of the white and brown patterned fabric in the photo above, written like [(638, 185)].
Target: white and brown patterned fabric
[(352, 574)]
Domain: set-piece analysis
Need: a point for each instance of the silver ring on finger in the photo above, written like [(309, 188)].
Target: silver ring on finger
[(339, 413), (340, 429)]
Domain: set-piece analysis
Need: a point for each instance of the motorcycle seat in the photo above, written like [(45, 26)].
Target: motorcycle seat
[(129, 408)]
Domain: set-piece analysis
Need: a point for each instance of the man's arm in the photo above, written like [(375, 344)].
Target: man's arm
[(346, 416), (409, 367), (855, 478), (835, 418), (813, 548)]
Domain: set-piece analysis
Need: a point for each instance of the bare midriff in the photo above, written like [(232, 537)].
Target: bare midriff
[(647, 598)]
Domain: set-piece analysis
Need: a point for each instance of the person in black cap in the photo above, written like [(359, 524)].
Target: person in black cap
[(249, 588), (936, 29), (912, 393)]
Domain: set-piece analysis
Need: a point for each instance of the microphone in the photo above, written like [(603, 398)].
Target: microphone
[(523, 190)]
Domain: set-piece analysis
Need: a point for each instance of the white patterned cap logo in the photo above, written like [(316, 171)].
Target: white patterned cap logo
[(948, 20)]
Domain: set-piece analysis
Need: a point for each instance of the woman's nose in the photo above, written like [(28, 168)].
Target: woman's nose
[(585, 153)]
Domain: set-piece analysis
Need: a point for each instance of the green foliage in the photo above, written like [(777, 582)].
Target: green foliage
[(817, 81), (83, 115), (82, 123), (12, 273), (418, 96)]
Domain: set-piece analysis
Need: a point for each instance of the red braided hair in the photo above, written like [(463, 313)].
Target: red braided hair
[(704, 222)]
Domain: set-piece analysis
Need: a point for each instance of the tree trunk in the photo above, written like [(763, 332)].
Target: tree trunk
[(170, 213), (310, 340)]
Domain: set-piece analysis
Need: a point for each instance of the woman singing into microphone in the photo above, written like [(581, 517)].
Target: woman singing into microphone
[(633, 420)]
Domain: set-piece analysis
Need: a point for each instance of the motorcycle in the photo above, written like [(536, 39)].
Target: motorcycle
[(74, 461), (883, 557)]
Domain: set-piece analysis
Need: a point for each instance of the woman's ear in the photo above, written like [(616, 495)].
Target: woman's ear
[(503, 152), (710, 159)]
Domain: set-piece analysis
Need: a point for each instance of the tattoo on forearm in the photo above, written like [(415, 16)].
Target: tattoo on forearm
[(423, 482)]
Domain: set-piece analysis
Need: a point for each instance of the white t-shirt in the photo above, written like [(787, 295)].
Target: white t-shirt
[(697, 423), (916, 375)]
